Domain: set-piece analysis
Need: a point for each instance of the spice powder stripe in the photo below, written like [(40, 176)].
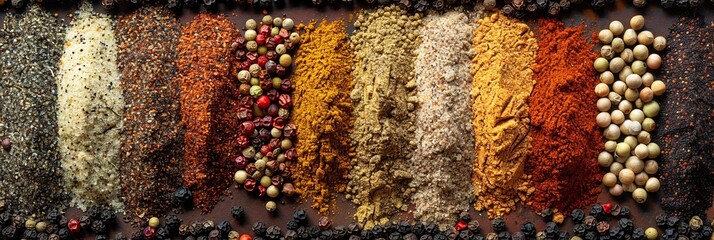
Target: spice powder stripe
[(89, 111)]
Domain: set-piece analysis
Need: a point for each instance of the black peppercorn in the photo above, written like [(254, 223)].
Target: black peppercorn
[(353, 228), (528, 229), (43, 236), (291, 235), (206, 238), (388, 227), (616, 233), (273, 232), (237, 212), (579, 230), (683, 228), (563, 236), (214, 235), (551, 229), (259, 228), (410, 236), (394, 236), (300, 216), (366, 234), (696, 235), (196, 229), (418, 228), (598, 212), (404, 227), (578, 215), (313, 231), (224, 227), (9, 232), (53, 216), (661, 221), (465, 216), (172, 223), (590, 222), (624, 212), (292, 224), (504, 235), (466, 234), (183, 195), (99, 227), (498, 225), (426, 237), (431, 228), (590, 236), (108, 217), (377, 231), (354, 237), (707, 231), (626, 225), (190, 238), (672, 221), (638, 234), (63, 233), (440, 236), (85, 222), (94, 212), (340, 232), (670, 233), (163, 233), (100, 237), (518, 236), (120, 236)]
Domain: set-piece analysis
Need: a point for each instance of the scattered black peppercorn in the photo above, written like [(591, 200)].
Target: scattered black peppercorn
[(163, 233), (364, 234), (672, 221), (100, 237), (340, 232), (259, 228), (99, 227), (314, 231), (638, 234), (528, 229), (300, 216), (291, 235), (578, 215), (504, 235), (707, 231), (273, 232), (616, 233), (378, 231), (137, 235), (465, 216), (85, 222), (53, 216), (431, 228), (418, 228), (547, 214), (590, 236), (292, 224), (183, 195), (563, 236), (598, 212), (224, 227), (551, 229), (498, 225), (63, 233), (683, 228), (237, 212), (624, 212), (394, 236), (579, 230), (9, 232), (404, 227), (172, 223), (661, 221), (626, 225)]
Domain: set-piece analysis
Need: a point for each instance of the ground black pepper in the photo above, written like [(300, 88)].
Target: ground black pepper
[(152, 142), (30, 171), (687, 131)]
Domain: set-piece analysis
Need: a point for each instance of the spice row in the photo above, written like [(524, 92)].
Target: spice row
[(154, 116)]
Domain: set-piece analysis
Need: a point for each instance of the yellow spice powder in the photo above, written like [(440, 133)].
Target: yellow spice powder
[(323, 113), (504, 49)]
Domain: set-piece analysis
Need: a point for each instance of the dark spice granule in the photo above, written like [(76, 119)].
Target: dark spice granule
[(687, 116), (203, 68), (152, 143), (30, 171)]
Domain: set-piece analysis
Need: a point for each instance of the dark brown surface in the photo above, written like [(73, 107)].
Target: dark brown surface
[(657, 20)]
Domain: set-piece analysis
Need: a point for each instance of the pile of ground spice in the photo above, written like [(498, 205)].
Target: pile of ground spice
[(504, 50), (687, 131), (30, 172), (323, 113), (152, 143), (384, 101), (203, 49), (566, 140), (90, 107), (445, 148)]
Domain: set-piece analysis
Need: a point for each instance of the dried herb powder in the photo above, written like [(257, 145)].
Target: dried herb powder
[(90, 106), (30, 172), (444, 134), (323, 112), (504, 51), (384, 101), (152, 142), (687, 117), (203, 49), (565, 139)]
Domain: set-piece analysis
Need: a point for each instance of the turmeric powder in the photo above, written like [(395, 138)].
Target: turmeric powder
[(323, 113), (504, 49)]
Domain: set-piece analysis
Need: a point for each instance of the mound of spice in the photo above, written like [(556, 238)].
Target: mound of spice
[(504, 50), (384, 101), (30, 170), (90, 110), (687, 130), (261, 105), (203, 49), (444, 135), (323, 112), (564, 137), (152, 143)]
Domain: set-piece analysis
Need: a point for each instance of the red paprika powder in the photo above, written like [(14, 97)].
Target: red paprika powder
[(203, 70), (566, 139)]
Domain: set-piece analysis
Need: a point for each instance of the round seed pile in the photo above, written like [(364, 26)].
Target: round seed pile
[(441, 164), (504, 49), (30, 172), (627, 107), (152, 142), (89, 111), (384, 101)]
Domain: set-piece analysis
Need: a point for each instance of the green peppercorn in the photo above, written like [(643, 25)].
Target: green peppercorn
[(286, 144), (622, 149), (653, 150), (250, 34), (601, 64), (651, 109), (243, 76), (276, 82), (651, 233), (154, 222), (267, 19), (274, 31), (285, 60), (251, 46), (295, 38), (278, 22), (276, 133), (240, 177), (265, 181), (272, 191), (262, 50), (280, 49), (254, 81), (256, 91), (248, 152), (288, 24), (250, 24), (639, 67), (260, 165)]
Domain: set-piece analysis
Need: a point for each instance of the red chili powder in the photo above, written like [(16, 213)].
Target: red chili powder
[(203, 50), (566, 139)]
